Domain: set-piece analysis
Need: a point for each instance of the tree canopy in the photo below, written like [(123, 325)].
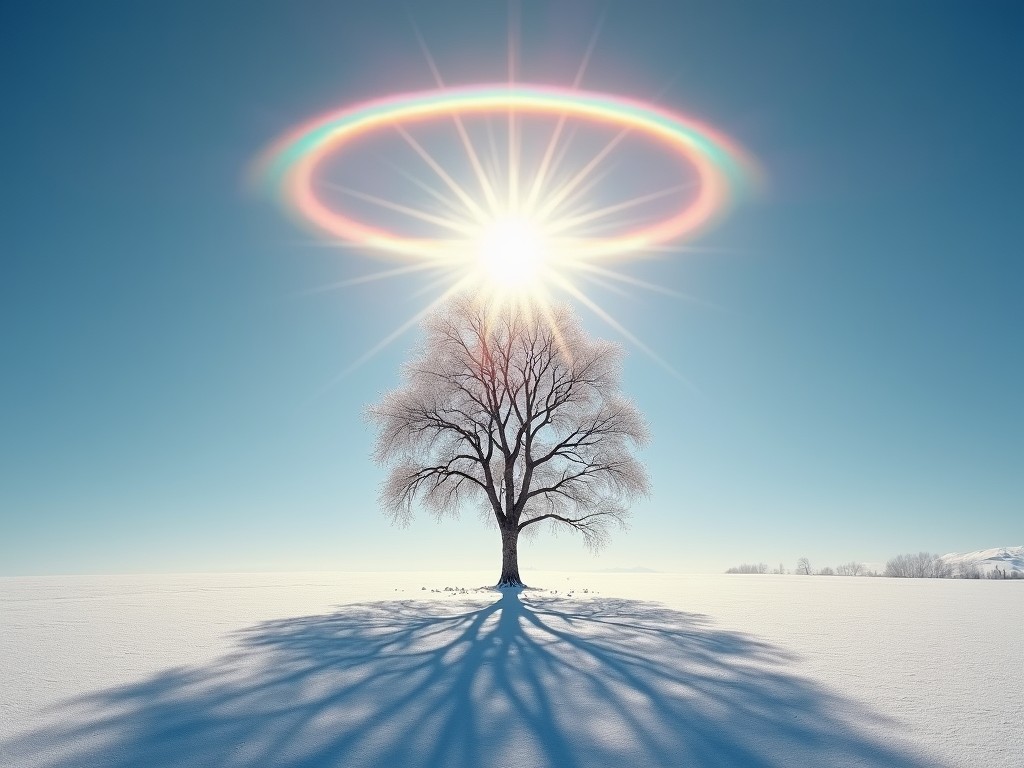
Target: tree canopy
[(514, 412)]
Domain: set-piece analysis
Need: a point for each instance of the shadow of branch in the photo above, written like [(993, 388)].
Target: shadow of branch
[(524, 680)]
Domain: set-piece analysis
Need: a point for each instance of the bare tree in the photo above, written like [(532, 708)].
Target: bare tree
[(521, 417), (970, 571), (852, 568), (900, 567), (827, 571), (923, 565), (803, 566)]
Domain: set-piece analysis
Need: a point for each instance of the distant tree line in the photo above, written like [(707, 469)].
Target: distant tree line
[(749, 568), (803, 567), (852, 568), (999, 573), (925, 565), (922, 565)]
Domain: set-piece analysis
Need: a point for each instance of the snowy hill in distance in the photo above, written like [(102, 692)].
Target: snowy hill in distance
[(1005, 558)]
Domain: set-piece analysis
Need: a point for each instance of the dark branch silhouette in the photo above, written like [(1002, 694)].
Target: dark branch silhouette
[(519, 414)]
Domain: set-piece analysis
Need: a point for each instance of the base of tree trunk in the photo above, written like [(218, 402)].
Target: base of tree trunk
[(506, 583)]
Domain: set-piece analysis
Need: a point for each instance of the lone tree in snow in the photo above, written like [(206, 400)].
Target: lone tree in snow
[(521, 418)]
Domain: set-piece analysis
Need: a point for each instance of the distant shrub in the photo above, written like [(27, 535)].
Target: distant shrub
[(852, 568), (1004, 573), (827, 571), (749, 568), (923, 565), (969, 571)]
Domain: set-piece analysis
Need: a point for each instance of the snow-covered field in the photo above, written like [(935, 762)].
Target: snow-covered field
[(592, 670)]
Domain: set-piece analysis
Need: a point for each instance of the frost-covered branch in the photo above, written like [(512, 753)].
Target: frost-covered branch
[(520, 414)]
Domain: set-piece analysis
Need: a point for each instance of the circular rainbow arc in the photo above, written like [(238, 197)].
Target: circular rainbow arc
[(722, 168)]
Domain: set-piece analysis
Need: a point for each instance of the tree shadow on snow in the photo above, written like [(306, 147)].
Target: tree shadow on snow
[(524, 681)]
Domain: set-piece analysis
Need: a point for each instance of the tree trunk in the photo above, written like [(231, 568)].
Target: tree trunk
[(510, 559)]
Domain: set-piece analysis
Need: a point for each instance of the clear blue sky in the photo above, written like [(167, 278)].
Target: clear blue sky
[(164, 396)]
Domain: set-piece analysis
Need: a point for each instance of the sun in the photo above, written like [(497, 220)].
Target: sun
[(512, 255), (526, 217)]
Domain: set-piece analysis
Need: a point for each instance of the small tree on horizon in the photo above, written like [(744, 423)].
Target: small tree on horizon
[(521, 417)]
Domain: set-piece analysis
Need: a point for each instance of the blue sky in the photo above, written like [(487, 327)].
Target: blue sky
[(166, 400)]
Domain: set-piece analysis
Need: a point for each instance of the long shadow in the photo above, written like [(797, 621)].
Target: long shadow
[(523, 681)]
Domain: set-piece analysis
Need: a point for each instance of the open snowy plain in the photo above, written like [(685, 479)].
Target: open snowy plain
[(585, 670)]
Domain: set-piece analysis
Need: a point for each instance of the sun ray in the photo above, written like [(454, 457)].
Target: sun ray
[(513, 139), (602, 228), (563, 223), (578, 195), (591, 45), (551, 165), (511, 170), (408, 324), (478, 169), (425, 49), (416, 213), (460, 128), (545, 307), (618, 290), (542, 170), (451, 206), (553, 200), (513, 164), (494, 164), (444, 279), (453, 185), (630, 280), (594, 307), (513, 39), (559, 195)]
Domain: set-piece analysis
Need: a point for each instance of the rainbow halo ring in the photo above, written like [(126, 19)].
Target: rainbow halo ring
[(525, 237)]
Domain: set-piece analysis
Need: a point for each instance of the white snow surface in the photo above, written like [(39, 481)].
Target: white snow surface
[(987, 560), (314, 670)]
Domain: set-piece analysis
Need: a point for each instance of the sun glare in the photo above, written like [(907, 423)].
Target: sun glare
[(511, 254), (516, 224)]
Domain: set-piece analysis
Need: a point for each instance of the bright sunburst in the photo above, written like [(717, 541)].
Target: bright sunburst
[(514, 221), (512, 254)]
